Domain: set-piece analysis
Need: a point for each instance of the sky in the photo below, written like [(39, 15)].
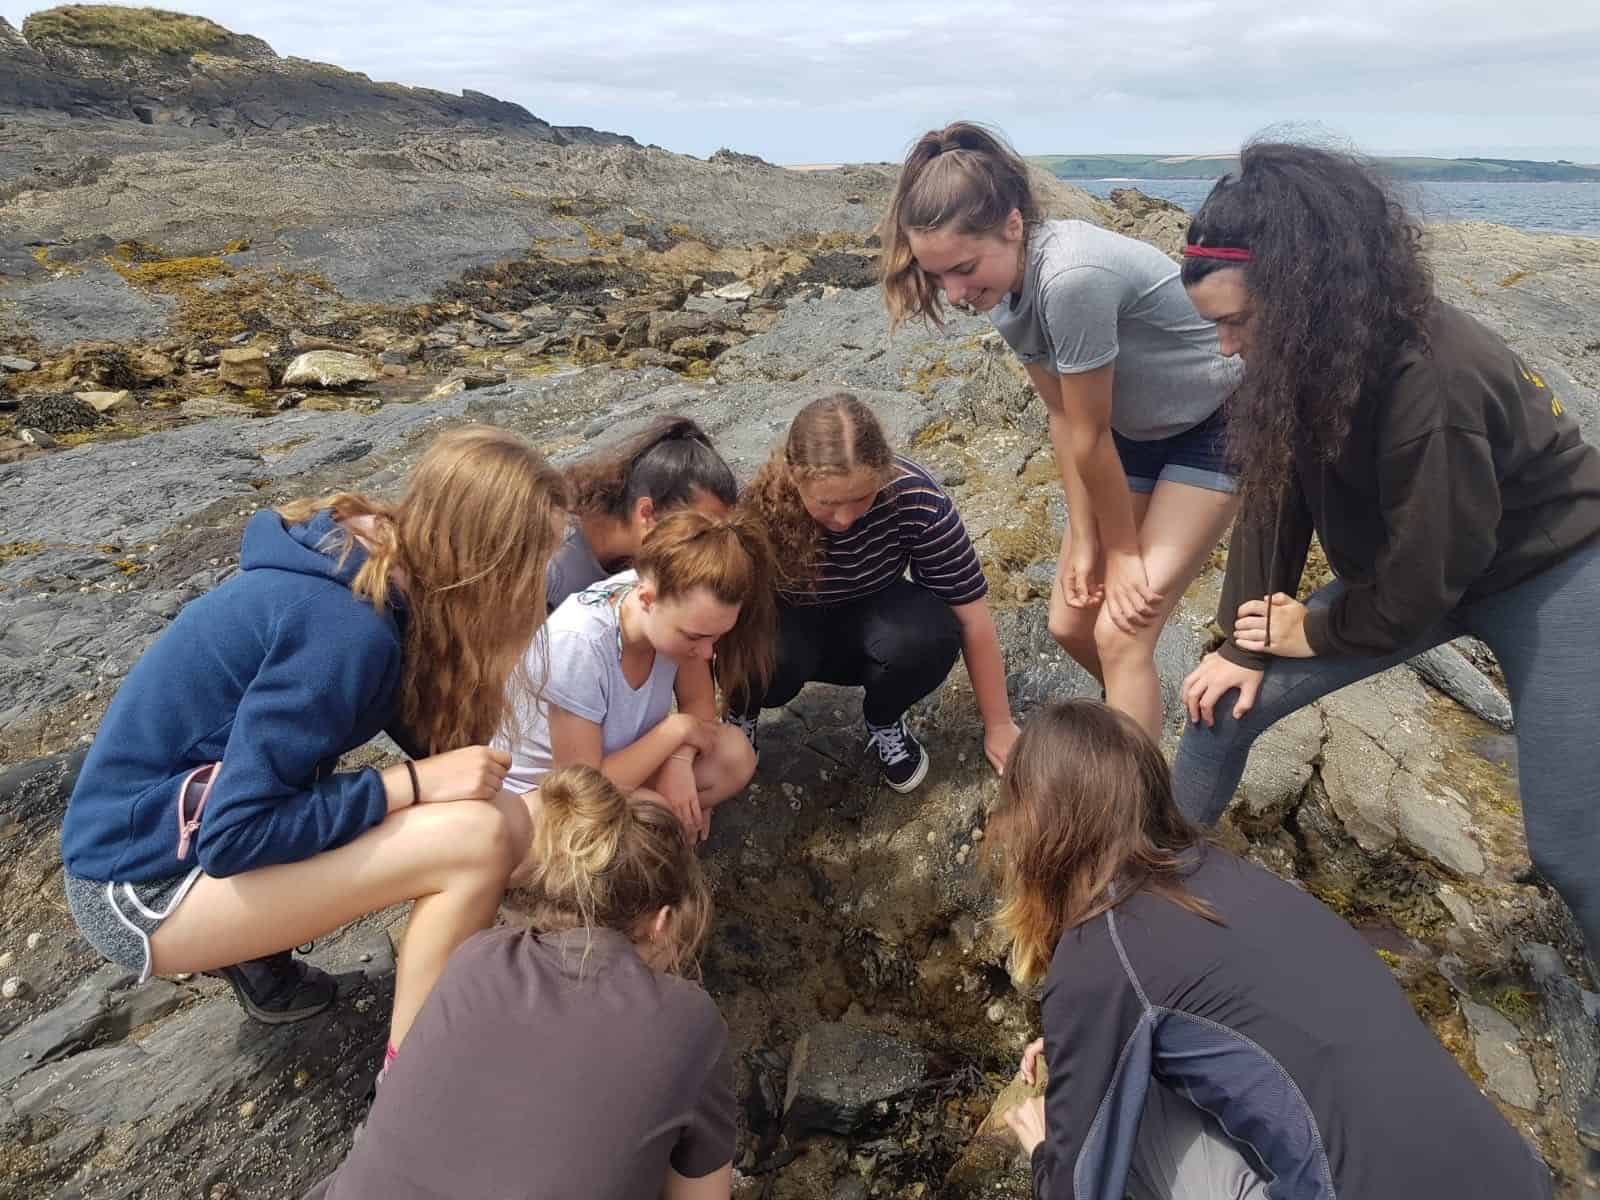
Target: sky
[(858, 80)]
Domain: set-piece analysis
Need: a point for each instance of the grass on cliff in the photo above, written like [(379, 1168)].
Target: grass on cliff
[(110, 28)]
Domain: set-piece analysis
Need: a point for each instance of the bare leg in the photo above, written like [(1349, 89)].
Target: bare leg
[(1179, 526), (1073, 628), (452, 859)]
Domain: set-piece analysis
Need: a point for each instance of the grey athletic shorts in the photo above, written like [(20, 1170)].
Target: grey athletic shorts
[(117, 919)]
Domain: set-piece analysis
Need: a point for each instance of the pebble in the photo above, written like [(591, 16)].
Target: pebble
[(996, 1012), (220, 1191), (6, 959), (932, 837), (366, 957), (247, 1110), (977, 835), (13, 363), (15, 988), (34, 939), (301, 1078)]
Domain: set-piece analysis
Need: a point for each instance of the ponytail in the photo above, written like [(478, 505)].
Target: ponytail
[(962, 177), (669, 461), (731, 558), (604, 861)]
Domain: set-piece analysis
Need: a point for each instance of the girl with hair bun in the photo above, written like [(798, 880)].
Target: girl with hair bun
[(1131, 377), (1210, 1029), (620, 492), (613, 659), (210, 829), (574, 1057)]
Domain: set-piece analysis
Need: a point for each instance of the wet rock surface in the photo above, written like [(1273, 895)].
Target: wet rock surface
[(574, 292)]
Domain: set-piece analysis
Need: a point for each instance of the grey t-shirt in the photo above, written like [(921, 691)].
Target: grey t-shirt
[(575, 661), (1090, 297), (571, 569), (546, 1067)]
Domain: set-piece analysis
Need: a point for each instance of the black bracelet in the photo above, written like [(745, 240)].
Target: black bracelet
[(416, 788)]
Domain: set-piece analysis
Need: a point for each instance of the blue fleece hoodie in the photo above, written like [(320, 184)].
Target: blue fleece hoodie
[(275, 674)]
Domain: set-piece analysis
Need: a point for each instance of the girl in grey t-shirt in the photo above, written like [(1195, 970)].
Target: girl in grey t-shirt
[(619, 492), (612, 660), (1130, 375)]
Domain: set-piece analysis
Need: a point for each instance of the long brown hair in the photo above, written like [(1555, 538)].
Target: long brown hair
[(963, 177), (730, 558), (831, 436), (1085, 819), (669, 461), (1339, 286), (601, 860), (470, 538)]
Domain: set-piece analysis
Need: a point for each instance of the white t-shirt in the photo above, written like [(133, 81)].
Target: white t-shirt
[(575, 661)]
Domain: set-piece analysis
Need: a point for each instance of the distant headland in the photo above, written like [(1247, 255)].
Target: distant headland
[(1214, 166)]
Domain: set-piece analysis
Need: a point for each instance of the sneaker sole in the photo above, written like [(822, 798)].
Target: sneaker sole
[(267, 1017), (917, 777)]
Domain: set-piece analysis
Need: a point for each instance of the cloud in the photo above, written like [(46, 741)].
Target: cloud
[(829, 79)]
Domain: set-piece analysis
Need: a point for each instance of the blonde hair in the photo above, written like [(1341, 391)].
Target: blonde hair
[(1085, 820), (830, 437), (963, 177), (604, 861), (470, 539), (730, 558)]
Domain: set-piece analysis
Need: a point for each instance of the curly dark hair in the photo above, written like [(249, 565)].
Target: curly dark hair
[(1339, 287)]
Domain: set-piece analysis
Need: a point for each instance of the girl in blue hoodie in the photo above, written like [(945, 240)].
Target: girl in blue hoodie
[(210, 829)]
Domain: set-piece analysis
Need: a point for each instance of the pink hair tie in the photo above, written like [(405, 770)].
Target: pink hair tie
[(1229, 253)]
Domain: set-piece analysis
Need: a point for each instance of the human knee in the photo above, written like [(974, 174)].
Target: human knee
[(736, 757), (1117, 648), (484, 839), (1072, 632)]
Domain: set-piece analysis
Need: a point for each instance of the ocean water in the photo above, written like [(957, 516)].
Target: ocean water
[(1538, 207)]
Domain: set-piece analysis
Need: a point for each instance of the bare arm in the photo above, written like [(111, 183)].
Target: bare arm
[(1080, 511), (695, 690), (986, 667), (575, 740), (716, 1186)]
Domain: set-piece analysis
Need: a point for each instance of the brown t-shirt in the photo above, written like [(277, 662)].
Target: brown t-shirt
[(536, 1071)]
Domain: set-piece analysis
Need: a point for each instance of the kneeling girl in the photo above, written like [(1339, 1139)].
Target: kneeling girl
[(613, 659)]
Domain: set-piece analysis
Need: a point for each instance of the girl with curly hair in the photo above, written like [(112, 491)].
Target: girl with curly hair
[(847, 517), (1131, 377), (574, 1054), (1447, 483), (1210, 1030), (210, 829), (619, 493)]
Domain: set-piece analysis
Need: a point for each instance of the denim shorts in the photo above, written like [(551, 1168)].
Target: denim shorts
[(1197, 457)]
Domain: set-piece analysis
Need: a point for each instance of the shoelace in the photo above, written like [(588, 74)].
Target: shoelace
[(891, 743)]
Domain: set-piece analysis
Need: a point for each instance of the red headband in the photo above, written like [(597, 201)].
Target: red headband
[(1230, 253)]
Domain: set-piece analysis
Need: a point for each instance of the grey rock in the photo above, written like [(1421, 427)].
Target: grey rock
[(1434, 822), (328, 369), (1281, 764), (1573, 1033), (10, 362), (494, 321), (244, 367), (37, 438), (102, 1008), (842, 1078), (709, 305), (1496, 1043), (394, 358), (1448, 670)]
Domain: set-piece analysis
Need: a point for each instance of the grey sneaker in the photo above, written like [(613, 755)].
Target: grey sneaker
[(901, 756)]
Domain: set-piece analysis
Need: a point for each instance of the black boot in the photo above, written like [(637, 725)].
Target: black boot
[(276, 990)]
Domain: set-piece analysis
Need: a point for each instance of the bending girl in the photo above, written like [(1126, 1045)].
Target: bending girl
[(612, 660), (1131, 378), (209, 830), (619, 494), (1210, 1030), (573, 1057), (847, 516)]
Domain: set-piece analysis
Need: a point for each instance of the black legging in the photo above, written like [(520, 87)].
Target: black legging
[(898, 643)]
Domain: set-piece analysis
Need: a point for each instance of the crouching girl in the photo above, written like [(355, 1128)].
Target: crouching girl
[(209, 829), (573, 1057), (615, 657)]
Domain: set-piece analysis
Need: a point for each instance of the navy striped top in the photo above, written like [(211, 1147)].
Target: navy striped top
[(912, 522)]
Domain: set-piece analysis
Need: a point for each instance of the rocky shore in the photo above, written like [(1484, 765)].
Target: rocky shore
[(186, 337)]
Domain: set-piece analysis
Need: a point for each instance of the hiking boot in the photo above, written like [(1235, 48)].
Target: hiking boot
[(277, 990), (746, 726), (901, 756)]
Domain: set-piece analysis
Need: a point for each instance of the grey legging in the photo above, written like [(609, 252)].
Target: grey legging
[(1546, 634)]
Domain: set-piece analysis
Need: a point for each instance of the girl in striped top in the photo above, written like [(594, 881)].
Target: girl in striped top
[(847, 518)]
